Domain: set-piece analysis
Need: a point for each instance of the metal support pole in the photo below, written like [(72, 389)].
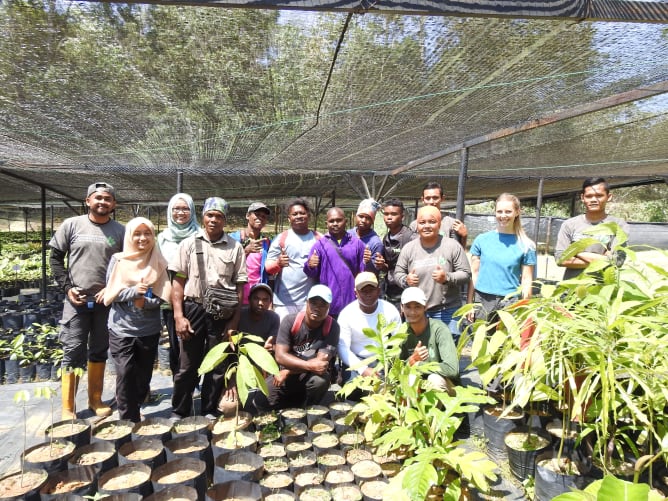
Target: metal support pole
[(461, 184), (43, 201), (539, 207), (179, 181)]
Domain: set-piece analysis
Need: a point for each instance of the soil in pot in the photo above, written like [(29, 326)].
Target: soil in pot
[(276, 481), (319, 426), (185, 471), (127, 496), (293, 415), (308, 477), (390, 468), (296, 448), (195, 446), (234, 441), (305, 459), (330, 459), (356, 455), (174, 493), (117, 432), (267, 419), (347, 492), (130, 477), (149, 451), (339, 476), (192, 425), (374, 490), (337, 409), (324, 442), (100, 455), (156, 427), (496, 428), (293, 431), (226, 425), (238, 465), (51, 456), (272, 451), (522, 449), (555, 476), (79, 480), (315, 412), (280, 495), (315, 494), (365, 471), (76, 431), (276, 464), (23, 486), (237, 490), (268, 434), (351, 439)]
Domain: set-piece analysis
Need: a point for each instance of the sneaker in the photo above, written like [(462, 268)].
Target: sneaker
[(174, 417), (212, 417)]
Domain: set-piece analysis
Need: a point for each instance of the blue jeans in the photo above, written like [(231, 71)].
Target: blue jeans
[(446, 316)]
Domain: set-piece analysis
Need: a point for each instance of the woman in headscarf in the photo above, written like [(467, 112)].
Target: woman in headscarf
[(137, 283), (181, 223)]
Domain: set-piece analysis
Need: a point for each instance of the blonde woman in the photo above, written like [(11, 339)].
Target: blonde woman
[(137, 283), (502, 261)]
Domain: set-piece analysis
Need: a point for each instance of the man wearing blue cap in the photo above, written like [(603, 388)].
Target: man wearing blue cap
[(208, 259), (305, 351)]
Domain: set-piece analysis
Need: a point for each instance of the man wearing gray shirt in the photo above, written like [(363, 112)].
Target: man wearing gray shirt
[(595, 196), (87, 243)]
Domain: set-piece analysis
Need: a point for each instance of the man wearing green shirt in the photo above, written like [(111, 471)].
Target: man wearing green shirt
[(428, 340)]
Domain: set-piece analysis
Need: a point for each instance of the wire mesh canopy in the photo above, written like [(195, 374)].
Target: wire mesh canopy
[(269, 104)]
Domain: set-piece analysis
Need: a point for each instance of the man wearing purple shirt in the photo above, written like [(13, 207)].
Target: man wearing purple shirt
[(366, 214), (336, 259)]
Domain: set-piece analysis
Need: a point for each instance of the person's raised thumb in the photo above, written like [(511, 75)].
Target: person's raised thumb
[(419, 345), (283, 250), (438, 267), (413, 272)]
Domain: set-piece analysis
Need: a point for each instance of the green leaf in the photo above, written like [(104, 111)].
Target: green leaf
[(261, 357), (214, 357), (418, 479)]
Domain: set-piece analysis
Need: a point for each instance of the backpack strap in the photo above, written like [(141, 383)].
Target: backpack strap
[(299, 319)]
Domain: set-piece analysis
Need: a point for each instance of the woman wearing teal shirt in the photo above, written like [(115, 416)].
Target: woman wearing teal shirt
[(502, 261)]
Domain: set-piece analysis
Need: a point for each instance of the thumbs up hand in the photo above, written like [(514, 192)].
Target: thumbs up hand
[(367, 255), (420, 353), (283, 259), (412, 279), (438, 275), (314, 260)]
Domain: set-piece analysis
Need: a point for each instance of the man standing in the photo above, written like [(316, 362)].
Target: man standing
[(437, 265), (87, 242), (304, 350), (336, 259), (208, 259), (255, 244), (432, 195), (286, 257), (357, 316), (397, 236), (595, 196), (366, 214), (428, 340)]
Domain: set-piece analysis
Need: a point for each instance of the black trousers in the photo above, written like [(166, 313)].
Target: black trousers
[(208, 333), (299, 390), (133, 357), (174, 344)]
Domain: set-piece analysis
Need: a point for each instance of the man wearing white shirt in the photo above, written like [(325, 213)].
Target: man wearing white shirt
[(358, 315)]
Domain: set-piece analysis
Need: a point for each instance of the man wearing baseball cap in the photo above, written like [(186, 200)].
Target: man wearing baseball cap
[(86, 243), (354, 318), (305, 351), (223, 266), (255, 244), (429, 340)]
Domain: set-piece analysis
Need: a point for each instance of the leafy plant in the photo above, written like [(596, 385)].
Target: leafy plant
[(405, 416), (594, 345), (248, 358)]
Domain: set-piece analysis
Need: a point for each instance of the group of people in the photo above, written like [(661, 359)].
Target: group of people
[(307, 295)]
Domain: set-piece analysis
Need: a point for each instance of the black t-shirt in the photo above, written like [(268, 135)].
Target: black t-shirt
[(306, 342)]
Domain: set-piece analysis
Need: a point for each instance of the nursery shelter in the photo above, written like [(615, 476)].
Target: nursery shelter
[(332, 100)]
